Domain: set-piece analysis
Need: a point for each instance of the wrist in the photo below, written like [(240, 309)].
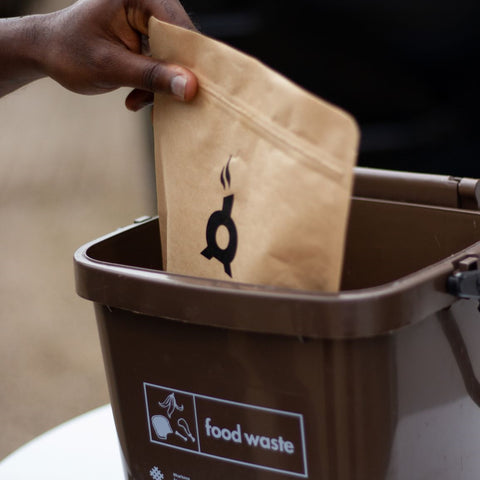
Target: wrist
[(22, 42)]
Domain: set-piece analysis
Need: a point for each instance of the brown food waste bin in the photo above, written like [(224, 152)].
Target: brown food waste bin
[(211, 380)]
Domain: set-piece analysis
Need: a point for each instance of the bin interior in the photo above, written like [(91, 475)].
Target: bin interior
[(385, 241)]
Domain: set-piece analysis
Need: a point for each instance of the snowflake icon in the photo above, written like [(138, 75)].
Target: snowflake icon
[(156, 474)]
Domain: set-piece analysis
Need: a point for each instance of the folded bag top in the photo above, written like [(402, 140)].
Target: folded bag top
[(254, 176)]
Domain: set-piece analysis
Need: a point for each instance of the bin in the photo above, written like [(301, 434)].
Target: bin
[(216, 380)]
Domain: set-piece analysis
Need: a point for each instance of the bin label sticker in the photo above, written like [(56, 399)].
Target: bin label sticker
[(234, 432)]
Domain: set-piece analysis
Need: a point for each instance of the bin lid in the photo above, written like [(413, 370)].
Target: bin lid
[(105, 274)]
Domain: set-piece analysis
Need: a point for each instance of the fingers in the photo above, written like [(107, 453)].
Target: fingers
[(172, 11), (138, 99)]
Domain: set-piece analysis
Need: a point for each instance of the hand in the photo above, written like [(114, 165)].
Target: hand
[(96, 46)]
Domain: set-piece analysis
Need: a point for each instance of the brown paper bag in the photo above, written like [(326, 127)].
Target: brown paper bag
[(254, 177)]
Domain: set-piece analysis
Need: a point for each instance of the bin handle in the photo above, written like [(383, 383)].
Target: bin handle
[(460, 352)]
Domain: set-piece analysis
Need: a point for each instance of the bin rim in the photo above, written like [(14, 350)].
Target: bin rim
[(265, 309)]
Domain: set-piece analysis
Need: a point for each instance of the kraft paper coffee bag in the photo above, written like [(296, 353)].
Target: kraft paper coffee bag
[(254, 176)]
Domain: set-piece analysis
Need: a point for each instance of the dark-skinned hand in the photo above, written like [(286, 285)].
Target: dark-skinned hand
[(95, 46)]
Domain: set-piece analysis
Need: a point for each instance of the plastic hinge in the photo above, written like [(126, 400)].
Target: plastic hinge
[(465, 284), (465, 281), (142, 219), (469, 193)]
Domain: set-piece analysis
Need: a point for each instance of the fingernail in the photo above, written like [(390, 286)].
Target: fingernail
[(177, 86)]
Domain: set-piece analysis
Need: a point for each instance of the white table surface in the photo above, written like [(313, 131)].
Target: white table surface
[(85, 448)]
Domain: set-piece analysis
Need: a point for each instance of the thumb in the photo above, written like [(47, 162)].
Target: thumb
[(147, 74)]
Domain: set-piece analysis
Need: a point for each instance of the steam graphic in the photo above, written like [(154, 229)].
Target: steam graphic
[(225, 175)]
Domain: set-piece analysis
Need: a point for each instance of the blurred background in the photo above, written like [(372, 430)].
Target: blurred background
[(406, 69), (74, 168)]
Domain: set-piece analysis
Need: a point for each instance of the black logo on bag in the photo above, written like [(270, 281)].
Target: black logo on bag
[(222, 218)]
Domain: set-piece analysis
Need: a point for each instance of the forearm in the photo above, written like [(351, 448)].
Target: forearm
[(20, 51)]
